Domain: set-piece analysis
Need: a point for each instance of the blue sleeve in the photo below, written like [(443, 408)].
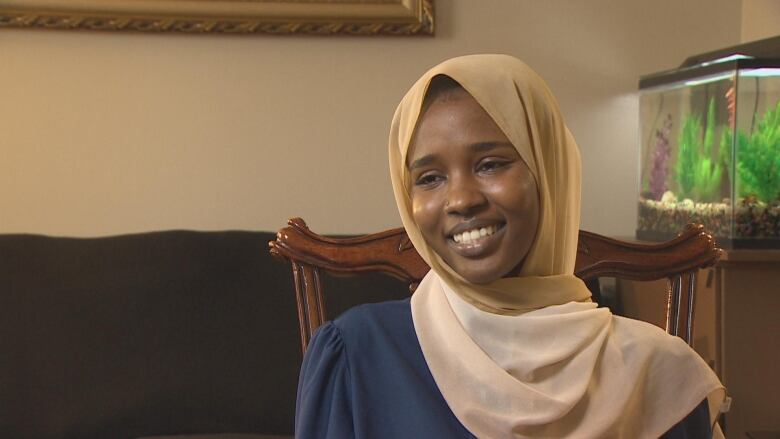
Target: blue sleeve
[(695, 426), (323, 406)]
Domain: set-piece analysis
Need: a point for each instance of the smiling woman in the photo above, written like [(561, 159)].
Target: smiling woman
[(473, 197), (500, 338)]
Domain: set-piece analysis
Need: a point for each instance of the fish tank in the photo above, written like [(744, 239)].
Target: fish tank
[(710, 152)]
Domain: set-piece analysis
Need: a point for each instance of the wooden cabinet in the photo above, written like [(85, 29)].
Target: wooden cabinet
[(737, 331)]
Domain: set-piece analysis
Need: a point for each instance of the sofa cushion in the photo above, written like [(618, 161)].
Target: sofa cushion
[(151, 333), (173, 332)]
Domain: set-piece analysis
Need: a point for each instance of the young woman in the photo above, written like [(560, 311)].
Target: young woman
[(500, 340)]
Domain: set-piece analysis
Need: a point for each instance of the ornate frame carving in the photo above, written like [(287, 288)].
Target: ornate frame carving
[(279, 17)]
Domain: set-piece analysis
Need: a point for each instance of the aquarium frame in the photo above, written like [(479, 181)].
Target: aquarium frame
[(768, 48), (672, 76)]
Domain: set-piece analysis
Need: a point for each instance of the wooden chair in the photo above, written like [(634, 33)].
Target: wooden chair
[(391, 252)]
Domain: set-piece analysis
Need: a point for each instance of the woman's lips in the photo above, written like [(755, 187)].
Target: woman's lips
[(477, 247)]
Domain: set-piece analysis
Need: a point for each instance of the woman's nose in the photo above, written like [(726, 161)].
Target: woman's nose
[(464, 198)]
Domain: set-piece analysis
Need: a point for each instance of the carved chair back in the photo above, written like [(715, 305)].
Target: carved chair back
[(391, 252)]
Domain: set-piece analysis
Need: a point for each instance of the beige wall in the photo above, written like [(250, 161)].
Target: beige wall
[(760, 19), (107, 133)]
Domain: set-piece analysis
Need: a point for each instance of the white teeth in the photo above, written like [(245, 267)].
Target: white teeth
[(472, 235)]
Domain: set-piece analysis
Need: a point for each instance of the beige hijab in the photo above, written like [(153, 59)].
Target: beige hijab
[(520, 103), (531, 356)]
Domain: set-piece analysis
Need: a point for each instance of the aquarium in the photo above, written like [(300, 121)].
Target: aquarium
[(710, 152)]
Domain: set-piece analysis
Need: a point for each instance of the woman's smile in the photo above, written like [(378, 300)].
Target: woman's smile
[(476, 240)]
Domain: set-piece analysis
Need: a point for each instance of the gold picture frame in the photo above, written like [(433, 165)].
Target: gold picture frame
[(279, 17)]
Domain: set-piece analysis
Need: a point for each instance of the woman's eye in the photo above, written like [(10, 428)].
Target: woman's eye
[(428, 180), (491, 165)]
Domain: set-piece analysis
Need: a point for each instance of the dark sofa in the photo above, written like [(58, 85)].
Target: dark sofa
[(153, 334)]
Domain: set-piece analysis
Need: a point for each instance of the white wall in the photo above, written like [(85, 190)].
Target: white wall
[(107, 133), (760, 19)]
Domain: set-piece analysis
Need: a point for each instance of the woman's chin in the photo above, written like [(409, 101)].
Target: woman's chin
[(486, 270), (478, 277)]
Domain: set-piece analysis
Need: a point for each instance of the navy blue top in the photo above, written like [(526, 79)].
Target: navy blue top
[(364, 376)]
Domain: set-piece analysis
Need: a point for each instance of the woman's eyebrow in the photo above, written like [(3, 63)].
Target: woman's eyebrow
[(422, 161), (475, 147)]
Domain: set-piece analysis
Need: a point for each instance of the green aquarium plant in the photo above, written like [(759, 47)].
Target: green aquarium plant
[(698, 175), (758, 165), (725, 151)]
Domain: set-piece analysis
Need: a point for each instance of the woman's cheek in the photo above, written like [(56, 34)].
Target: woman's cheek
[(417, 209), (424, 211)]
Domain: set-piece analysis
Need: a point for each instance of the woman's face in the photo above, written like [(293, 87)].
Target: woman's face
[(473, 197)]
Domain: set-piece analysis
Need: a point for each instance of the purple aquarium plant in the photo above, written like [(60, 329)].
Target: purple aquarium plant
[(660, 159)]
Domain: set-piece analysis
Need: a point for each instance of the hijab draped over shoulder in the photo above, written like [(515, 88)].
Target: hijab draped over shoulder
[(532, 356)]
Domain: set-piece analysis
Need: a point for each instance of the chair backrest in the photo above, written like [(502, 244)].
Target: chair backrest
[(391, 252)]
